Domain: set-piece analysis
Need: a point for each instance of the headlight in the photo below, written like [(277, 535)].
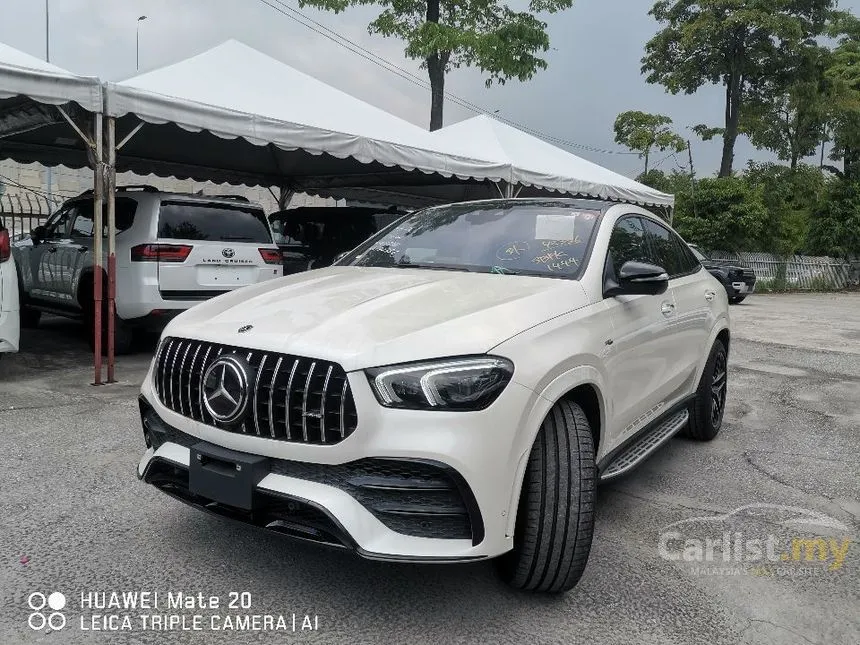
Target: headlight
[(454, 384)]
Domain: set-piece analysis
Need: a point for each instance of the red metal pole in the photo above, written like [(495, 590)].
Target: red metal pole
[(98, 191), (110, 175)]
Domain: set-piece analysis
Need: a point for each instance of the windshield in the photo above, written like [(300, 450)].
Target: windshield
[(524, 239), (699, 255)]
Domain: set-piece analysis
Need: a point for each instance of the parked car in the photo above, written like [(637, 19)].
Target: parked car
[(9, 323), (172, 251), (452, 390), (313, 237), (738, 281)]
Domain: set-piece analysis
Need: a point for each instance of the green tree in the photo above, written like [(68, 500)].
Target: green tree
[(788, 112), (724, 213), (643, 132), (843, 79), (834, 228), (790, 195), (443, 34), (735, 44)]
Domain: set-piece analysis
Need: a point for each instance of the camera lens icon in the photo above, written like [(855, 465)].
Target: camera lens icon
[(54, 601)]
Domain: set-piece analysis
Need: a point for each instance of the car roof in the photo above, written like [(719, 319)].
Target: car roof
[(567, 202)]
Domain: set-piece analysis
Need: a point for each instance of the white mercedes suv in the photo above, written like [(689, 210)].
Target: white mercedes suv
[(451, 390)]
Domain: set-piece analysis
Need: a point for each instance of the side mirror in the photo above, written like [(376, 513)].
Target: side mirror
[(638, 278), (38, 234)]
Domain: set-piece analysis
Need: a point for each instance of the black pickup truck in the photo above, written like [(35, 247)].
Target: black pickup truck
[(738, 281)]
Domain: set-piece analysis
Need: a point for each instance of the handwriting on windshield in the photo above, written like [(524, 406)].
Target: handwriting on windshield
[(512, 251), (558, 244)]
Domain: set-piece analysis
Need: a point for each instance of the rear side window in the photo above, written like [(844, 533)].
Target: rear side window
[(125, 210), (668, 250), (212, 222)]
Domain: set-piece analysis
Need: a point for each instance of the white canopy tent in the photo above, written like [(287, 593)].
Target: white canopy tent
[(50, 115), (234, 114), (533, 168), (537, 164)]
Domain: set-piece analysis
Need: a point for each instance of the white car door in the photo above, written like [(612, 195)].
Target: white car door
[(694, 296), (637, 360)]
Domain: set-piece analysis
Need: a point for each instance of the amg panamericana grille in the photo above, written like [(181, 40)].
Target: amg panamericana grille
[(292, 398)]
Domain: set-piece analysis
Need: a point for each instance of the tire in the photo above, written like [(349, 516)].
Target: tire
[(555, 518), (737, 299), (709, 406), (30, 317)]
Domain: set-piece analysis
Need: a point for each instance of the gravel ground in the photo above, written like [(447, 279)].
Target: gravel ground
[(75, 518)]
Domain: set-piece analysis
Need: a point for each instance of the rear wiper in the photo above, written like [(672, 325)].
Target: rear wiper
[(236, 238)]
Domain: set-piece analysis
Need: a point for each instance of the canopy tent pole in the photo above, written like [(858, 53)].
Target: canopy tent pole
[(110, 182), (284, 196), (98, 232)]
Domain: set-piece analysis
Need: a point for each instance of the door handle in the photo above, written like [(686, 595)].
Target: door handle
[(709, 295), (82, 249), (52, 249), (667, 308)]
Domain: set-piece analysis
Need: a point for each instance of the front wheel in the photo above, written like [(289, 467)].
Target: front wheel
[(706, 412), (30, 317), (555, 518), (737, 299)]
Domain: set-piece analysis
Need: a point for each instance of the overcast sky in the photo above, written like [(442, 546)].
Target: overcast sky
[(593, 69)]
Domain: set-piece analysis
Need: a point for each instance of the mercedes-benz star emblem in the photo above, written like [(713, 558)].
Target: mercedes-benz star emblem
[(225, 389), (228, 253)]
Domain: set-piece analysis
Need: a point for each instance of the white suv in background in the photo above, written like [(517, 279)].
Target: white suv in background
[(172, 252), (9, 325), (451, 390)]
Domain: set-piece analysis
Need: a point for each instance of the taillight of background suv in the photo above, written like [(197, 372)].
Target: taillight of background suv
[(160, 252)]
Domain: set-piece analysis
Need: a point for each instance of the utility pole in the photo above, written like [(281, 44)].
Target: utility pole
[(49, 176), (139, 20)]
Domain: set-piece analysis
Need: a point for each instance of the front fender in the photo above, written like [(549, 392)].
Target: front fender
[(544, 402)]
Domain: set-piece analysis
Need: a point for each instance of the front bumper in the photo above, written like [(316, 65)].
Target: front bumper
[(743, 288), (473, 452)]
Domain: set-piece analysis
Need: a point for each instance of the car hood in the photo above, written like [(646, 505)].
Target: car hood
[(362, 316)]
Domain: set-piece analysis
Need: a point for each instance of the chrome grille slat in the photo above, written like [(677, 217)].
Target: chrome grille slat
[(179, 378), (256, 393), (191, 378), (203, 367), (271, 407), (342, 408), (305, 402), (167, 345), (173, 376), (322, 402), (287, 398), (295, 381)]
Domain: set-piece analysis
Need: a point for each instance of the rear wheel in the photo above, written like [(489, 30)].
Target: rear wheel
[(706, 413), (123, 332), (555, 518)]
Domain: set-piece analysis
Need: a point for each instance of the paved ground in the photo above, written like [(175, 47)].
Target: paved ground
[(72, 508)]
